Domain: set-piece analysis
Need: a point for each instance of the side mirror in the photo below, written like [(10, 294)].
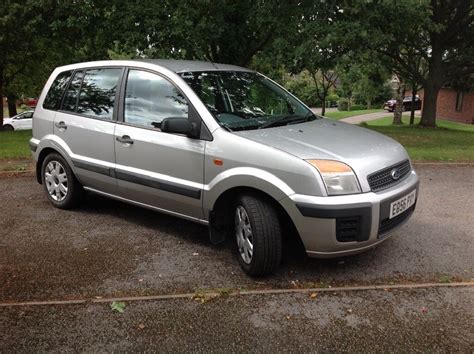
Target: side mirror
[(179, 126)]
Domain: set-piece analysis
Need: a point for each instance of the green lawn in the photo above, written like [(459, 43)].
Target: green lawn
[(450, 141), (344, 114), (14, 145)]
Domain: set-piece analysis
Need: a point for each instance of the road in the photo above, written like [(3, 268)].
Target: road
[(108, 249)]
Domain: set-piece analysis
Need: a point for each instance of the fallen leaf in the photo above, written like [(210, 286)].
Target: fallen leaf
[(140, 280), (313, 295), (195, 254), (141, 326), (349, 310), (118, 306)]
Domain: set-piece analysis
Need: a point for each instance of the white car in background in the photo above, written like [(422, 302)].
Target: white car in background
[(21, 121)]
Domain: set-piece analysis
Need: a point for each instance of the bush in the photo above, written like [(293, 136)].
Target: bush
[(304, 91), (358, 107), (332, 98), (342, 104)]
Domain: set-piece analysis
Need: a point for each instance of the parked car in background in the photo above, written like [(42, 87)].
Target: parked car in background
[(31, 102), (21, 121), (223, 146), (391, 104)]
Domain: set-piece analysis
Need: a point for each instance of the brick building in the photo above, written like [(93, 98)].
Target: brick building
[(453, 105)]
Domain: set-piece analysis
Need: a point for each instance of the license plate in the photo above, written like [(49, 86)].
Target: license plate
[(402, 204)]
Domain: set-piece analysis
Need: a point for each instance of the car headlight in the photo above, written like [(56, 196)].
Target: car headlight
[(337, 176)]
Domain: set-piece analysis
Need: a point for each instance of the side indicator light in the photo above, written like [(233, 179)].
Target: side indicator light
[(218, 162)]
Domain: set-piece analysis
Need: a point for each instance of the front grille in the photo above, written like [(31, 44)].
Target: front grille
[(383, 179), (348, 229), (388, 224)]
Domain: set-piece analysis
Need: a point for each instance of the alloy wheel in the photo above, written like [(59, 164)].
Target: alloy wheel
[(56, 180), (243, 234)]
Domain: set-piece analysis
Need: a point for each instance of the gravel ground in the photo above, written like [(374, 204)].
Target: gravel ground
[(432, 320), (107, 248)]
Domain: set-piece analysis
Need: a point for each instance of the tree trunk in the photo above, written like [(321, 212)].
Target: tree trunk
[(323, 107), (433, 83), (369, 104), (12, 105), (430, 100), (1, 100), (412, 108), (397, 115)]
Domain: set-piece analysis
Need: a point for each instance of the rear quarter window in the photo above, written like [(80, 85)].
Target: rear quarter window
[(56, 91)]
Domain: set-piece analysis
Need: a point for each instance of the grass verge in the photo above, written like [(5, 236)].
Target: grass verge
[(449, 142), (344, 114), (14, 145)]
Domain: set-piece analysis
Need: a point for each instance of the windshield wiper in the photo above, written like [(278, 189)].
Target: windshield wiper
[(291, 118)]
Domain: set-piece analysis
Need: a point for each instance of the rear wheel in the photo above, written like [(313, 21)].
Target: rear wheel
[(258, 235), (61, 186)]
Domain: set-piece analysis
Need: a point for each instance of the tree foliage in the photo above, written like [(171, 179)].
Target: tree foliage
[(430, 43)]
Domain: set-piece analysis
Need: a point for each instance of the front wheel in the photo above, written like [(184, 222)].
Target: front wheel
[(258, 235), (7, 128)]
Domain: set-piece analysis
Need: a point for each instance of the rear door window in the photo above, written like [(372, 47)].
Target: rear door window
[(97, 95), (56, 91)]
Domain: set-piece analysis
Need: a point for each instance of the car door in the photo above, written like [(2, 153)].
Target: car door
[(25, 121), (86, 124), (158, 169)]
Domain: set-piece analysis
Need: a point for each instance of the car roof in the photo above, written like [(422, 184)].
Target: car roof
[(177, 66), (180, 66)]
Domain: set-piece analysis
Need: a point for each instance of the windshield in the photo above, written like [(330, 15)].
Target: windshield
[(246, 100)]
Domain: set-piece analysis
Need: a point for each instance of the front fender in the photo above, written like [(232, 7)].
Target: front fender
[(244, 177)]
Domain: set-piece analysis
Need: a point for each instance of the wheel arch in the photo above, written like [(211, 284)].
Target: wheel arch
[(41, 156), (220, 215)]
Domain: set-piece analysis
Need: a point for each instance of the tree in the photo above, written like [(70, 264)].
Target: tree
[(220, 30), (324, 80), (312, 44), (20, 26), (439, 33), (38, 35), (397, 114)]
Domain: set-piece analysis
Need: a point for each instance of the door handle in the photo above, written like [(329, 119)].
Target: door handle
[(125, 139), (61, 125)]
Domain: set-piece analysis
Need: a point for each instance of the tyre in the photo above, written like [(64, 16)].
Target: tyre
[(8, 128), (258, 235), (61, 186)]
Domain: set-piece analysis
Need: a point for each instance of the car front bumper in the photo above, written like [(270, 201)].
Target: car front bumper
[(320, 220)]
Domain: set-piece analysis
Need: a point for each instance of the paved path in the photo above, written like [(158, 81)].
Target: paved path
[(107, 248), (318, 110), (370, 116)]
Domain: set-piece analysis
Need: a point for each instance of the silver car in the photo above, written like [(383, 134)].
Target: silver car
[(223, 146)]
